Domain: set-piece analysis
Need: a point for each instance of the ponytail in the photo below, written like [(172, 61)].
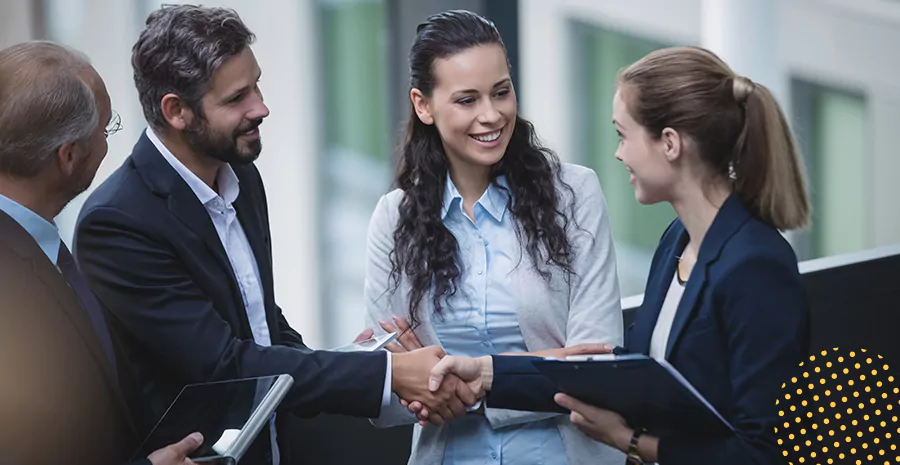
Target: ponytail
[(768, 168)]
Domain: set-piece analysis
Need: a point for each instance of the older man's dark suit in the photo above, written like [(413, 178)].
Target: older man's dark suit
[(60, 400)]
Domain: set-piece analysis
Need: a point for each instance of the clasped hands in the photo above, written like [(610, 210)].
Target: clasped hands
[(437, 388), (411, 366)]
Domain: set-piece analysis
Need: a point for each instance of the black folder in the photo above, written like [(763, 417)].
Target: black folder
[(648, 393)]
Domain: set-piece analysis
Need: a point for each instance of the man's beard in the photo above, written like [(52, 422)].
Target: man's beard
[(223, 147)]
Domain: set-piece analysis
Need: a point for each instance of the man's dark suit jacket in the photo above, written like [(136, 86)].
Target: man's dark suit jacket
[(152, 256), (60, 401), (740, 331)]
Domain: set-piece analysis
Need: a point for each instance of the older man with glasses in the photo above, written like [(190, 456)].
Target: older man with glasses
[(60, 395)]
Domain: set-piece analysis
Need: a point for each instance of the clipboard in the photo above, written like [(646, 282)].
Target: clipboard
[(648, 393)]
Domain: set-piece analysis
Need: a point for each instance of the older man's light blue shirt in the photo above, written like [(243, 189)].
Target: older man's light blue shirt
[(44, 232), (480, 319)]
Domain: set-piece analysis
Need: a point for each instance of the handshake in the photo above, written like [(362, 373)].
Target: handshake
[(436, 387), (428, 389)]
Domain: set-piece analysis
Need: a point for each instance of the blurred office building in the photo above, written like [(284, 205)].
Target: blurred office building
[(335, 79)]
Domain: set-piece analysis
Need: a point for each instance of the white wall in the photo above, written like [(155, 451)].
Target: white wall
[(728, 24), (16, 23), (109, 48)]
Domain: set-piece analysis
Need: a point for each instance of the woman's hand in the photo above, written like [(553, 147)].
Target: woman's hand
[(606, 427), (406, 340), (563, 352), (598, 424)]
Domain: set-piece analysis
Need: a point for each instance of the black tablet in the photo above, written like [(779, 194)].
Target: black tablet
[(229, 414)]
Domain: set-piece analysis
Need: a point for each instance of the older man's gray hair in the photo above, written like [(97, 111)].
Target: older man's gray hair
[(44, 103)]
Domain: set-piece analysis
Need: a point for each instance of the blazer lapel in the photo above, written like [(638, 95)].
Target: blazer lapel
[(730, 218), (688, 303), (657, 286), (164, 181), (17, 238), (68, 300), (187, 208)]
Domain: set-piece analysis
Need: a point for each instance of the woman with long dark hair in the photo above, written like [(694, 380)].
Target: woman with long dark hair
[(488, 245)]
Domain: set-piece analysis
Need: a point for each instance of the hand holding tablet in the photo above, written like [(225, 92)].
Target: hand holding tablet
[(229, 415)]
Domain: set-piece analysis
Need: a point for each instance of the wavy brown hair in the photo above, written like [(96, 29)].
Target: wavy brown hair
[(424, 249)]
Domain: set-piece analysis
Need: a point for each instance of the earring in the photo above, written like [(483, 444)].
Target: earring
[(732, 175)]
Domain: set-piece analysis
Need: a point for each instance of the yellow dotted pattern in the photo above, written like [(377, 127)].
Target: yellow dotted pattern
[(842, 407)]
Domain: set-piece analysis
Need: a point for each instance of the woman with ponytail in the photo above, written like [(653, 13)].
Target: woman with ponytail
[(724, 303), (488, 245)]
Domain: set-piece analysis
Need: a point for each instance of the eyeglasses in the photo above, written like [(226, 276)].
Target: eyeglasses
[(114, 125)]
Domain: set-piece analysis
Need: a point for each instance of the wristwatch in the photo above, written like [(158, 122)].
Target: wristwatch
[(633, 456)]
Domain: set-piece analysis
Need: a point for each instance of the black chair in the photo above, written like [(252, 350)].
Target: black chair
[(855, 302)]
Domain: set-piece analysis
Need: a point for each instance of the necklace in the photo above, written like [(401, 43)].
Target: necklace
[(679, 273)]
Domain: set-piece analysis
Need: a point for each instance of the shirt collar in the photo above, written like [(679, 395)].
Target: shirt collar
[(493, 200), (44, 232), (450, 196), (226, 179)]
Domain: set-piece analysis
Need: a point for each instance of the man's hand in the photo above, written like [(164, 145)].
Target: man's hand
[(479, 373), (476, 373), (176, 454), (411, 372)]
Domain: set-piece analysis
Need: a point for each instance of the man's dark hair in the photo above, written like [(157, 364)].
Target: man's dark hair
[(179, 50)]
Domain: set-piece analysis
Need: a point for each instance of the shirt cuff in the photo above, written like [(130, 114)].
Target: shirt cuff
[(386, 394), (475, 407)]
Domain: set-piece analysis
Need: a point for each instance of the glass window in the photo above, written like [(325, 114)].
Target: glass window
[(600, 54), (832, 131), (356, 163)]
